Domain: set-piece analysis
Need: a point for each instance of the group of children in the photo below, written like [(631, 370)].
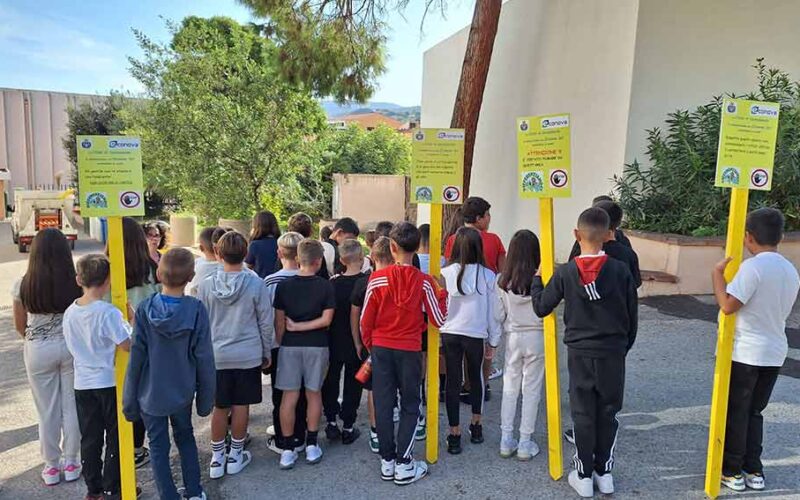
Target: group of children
[(319, 321)]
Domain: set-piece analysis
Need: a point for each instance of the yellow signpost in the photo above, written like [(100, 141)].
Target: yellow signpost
[(437, 173), (111, 185), (544, 172), (747, 136)]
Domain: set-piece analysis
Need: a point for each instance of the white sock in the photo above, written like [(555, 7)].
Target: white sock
[(524, 437), (218, 449), (237, 445), (508, 435)]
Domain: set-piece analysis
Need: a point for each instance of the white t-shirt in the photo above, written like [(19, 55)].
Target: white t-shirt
[(92, 333), (330, 256), (767, 285)]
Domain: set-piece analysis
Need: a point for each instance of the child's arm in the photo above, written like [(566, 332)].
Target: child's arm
[(435, 302), (206, 372), (323, 321), (546, 298), (265, 316), (369, 315), (280, 325), (633, 312), (495, 325), (355, 329), (727, 302), (20, 318), (130, 392), (637, 274)]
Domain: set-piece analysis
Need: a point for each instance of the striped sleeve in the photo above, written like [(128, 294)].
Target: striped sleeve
[(369, 312), (435, 302)]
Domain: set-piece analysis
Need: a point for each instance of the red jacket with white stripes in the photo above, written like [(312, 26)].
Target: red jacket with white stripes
[(396, 299)]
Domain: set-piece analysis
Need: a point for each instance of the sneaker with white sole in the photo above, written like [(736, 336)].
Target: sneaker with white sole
[(583, 486), (288, 459), (201, 497), (237, 462), (141, 457), (604, 483), (508, 446), (527, 450), (72, 472), (410, 472), (736, 483), (387, 470), (271, 430), (422, 429), (272, 445), (496, 373), (217, 469), (313, 454), (51, 476), (374, 446), (569, 435), (755, 481)]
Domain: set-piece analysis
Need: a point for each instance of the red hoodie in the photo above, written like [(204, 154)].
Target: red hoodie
[(396, 299)]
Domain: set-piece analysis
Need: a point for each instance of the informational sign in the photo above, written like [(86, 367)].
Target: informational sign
[(543, 145), (747, 136), (110, 175), (437, 166)]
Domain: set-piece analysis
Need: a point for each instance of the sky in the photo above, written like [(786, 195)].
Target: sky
[(82, 47)]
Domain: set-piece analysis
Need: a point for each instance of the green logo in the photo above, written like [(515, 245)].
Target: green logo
[(730, 175), (96, 200), (532, 182), (424, 194)]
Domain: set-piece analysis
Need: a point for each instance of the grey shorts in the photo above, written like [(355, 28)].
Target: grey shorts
[(301, 367)]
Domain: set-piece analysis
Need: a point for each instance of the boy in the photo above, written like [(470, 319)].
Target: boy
[(391, 329), (304, 307), (93, 329), (619, 234), (301, 223), (761, 295), (242, 333), (343, 353), (601, 322), (206, 265), (172, 343), (614, 248), (287, 253), (424, 253), (344, 229)]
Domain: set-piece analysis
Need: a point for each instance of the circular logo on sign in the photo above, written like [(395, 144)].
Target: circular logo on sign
[(532, 182), (86, 144), (420, 135), (424, 194), (759, 177), (731, 107), (130, 199), (558, 178), (451, 194), (730, 176), (96, 200), (524, 125)]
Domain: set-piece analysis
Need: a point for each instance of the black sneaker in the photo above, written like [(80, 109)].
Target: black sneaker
[(487, 393), (349, 437), (464, 397), (475, 433), (569, 435), (332, 431), (141, 458), (453, 444)]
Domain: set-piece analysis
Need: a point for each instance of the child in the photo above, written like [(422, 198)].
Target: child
[(304, 307), (524, 365), (93, 329), (287, 253), (761, 295), (391, 329), (619, 234), (471, 323), (206, 265), (262, 255), (601, 321), (301, 223), (172, 343), (242, 333), (424, 253), (344, 229), (343, 353)]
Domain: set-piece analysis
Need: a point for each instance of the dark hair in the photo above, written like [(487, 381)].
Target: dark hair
[(310, 251), (602, 197), (177, 267), (425, 234), (614, 212), (594, 222), (218, 234), (232, 247), (206, 238), (347, 226), (139, 267), (93, 270), (383, 228), (524, 258), (49, 285), (265, 225), (474, 208), (406, 235), (370, 237), (325, 232), (467, 249), (300, 223), (382, 251), (456, 223), (765, 225), (159, 226)]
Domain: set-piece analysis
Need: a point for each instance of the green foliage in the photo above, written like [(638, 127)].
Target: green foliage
[(87, 118), (379, 151), (676, 194)]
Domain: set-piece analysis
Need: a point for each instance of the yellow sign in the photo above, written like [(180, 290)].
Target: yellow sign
[(747, 136), (543, 147), (437, 166), (110, 175)]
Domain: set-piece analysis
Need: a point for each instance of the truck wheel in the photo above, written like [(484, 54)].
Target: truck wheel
[(72, 244), (22, 247)]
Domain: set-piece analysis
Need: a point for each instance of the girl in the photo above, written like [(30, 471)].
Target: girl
[(40, 299), (524, 345), (262, 254), (471, 322), (154, 240)]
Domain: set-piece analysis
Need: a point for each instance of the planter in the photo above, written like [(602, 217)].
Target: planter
[(239, 225), (183, 229)]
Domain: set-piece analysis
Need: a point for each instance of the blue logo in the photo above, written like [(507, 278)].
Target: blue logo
[(731, 107), (86, 144)]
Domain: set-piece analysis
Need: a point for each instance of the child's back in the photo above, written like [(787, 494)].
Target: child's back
[(342, 346)]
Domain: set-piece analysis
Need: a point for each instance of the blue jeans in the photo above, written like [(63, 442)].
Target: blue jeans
[(183, 433)]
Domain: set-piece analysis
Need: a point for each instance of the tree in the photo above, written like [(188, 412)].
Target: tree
[(224, 132), (358, 151)]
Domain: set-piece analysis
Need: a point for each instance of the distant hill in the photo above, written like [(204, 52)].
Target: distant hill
[(400, 113)]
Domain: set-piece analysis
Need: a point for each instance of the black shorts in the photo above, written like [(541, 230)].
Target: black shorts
[(238, 387)]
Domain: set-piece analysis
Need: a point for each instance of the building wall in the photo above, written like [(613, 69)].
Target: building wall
[(369, 198)]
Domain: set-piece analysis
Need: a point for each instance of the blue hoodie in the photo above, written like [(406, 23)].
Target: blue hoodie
[(171, 359)]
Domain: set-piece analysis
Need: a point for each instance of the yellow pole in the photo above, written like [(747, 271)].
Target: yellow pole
[(432, 416), (734, 247), (119, 298), (553, 391)]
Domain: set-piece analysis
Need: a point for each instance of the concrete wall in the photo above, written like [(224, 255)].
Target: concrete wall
[(369, 198)]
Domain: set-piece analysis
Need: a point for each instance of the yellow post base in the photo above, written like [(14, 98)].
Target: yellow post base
[(734, 248), (432, 414), (553, 389)]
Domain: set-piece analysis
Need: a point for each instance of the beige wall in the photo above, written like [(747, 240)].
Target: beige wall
[(369, 198)]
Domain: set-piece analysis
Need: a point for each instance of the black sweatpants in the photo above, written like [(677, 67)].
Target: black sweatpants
[(97, 419), (299, 413), (456, 348), (394, 370), (351, 392), (751, 388), (139, 432), (596, 389)]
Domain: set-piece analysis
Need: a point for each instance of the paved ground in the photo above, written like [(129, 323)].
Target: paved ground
[(660, 454)]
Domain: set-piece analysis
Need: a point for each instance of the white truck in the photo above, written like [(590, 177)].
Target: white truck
[(37, 210)]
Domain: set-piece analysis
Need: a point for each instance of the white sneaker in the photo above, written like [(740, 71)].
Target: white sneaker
[(236, 464), (271, 430), (409, 473), (51, 476), (421, 432), (201, 497), (374, 446), (272, 445), (288, 458), (527, 450), (604, 483), (736, 483), (583, 487), (508, 446), (496, 373), (72, 472), (217, 469), (313, 454), (754, 481), (387, 470)]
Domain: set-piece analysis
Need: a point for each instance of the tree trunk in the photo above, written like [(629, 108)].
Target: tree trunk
[(469, 98)]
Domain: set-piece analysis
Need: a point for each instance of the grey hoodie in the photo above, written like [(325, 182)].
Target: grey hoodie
[(240, 313)]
